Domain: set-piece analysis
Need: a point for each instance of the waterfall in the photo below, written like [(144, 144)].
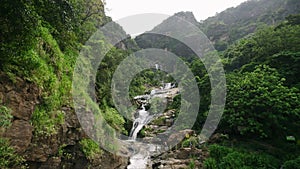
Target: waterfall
[(140, 159), (142, 118), (167, 86)]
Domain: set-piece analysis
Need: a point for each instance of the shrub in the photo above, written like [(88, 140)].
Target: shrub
[(90, 148), (191, 164), (292, 164), (210, 163), (224, 157)]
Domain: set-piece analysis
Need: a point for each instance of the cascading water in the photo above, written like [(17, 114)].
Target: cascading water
[(142, 118), (139, 159), (141, 156)]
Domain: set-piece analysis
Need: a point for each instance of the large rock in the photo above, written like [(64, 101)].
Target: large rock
[(20, 96), (176, 137), (20, 134), (179, 159)]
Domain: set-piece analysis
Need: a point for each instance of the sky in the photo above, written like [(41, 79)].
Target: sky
[(118, 9)]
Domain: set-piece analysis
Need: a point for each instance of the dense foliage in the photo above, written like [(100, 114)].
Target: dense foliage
[(262, 98), (224, 157), (259, 104), (40, 41)]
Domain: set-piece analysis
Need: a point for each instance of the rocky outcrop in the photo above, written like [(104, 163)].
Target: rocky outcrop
[(20, 97), (180, 159), (59, 150), (160, 124), (20, 134)]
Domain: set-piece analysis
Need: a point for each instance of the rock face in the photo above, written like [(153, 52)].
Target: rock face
[(21, 97), (20, 134), (179, 159), (45, 152)]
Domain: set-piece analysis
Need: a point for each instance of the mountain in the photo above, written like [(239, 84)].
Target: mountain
[(226, 27), (161, 35), (234, 23)]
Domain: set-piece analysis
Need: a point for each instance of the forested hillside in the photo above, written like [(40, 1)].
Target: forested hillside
[(234, 23), (227, 27), (40, 41), (262, 107), (259, 44)]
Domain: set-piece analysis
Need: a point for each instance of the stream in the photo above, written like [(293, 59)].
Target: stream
[(141, 156)]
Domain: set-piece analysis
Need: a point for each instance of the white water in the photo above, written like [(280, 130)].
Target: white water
[(141, 156), (138, 161), (142, 119), (167, 86)]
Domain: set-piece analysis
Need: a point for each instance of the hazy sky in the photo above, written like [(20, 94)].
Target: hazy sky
[(202, 9)]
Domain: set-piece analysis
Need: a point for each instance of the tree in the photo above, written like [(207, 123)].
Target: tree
[(88, 16), (18, 24), (259, 105)]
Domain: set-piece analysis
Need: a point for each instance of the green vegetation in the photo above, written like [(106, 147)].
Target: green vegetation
[(5, 117), (276, 106), (8, 156), (263, 97), (224, 157), (192, 164), (45, 123), (292, 164), (40, 42), (191, 141), (229, 26), (90, 148), (63, 153)]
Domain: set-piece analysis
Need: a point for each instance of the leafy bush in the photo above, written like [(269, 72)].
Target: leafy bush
[(114, 119), (191, 164), (191, 141), (224, 157), (210, 163)]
